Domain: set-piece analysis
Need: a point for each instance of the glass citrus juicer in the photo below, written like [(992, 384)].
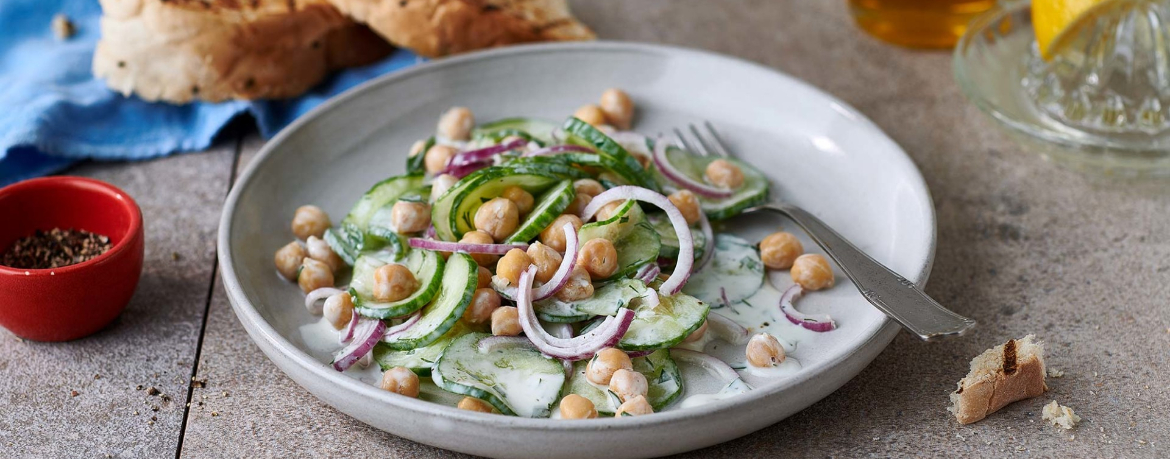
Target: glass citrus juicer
[(1083, 82)]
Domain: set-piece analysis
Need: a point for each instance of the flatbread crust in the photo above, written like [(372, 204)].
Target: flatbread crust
[(435, 28), (214, 50)]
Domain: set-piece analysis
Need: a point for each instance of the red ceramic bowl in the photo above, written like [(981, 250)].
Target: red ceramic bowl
[(62, 304)]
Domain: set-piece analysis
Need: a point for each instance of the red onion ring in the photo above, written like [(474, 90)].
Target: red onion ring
[(430, 234), (727, 329), (555, 149), (561, 277), (686, 249), (493, 343), (344, 336), (402, 327), (444, 246), (648, 272), (466, 169), (608, 334), (320, 294), (636, 354), (483, 154), (817, 322), (708, 241), (367, 334), (719, 367), (673, 174)]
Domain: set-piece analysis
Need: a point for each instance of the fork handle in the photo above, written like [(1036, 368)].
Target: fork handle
[(893, 294)]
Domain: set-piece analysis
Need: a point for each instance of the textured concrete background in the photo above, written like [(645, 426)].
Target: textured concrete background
[(1024, 247)]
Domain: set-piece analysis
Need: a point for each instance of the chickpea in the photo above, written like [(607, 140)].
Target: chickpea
[(601, 367), (812, 271), (574, 406), (474, 404), (723, 173), (480, 237), (688, 205), (314, 275), (498, 217), (319, 250), (417, 147), (636, 406), (779, 250), (618, 108), (554, 234), (441, 184), (437, 158), (588, 186), (523, 199), (607, 211), (578, 287), (485, 278), (288, 260), (400, 380), (410, 217), (697, 334), (393, 282), (456, 124), (516, 261), (546, 260), (598, 257), (338, 310), (628, 383), (483, 303), (310, 221), (579, 203), (591, 114), (506, 321), (764, 351)]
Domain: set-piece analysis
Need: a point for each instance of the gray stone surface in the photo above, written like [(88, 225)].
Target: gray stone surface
[(1024, 247), (152, 344)]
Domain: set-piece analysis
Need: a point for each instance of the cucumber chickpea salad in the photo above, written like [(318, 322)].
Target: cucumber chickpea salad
[(556, 270)]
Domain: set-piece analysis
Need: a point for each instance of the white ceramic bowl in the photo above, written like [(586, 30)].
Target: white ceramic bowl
[(820, 153)]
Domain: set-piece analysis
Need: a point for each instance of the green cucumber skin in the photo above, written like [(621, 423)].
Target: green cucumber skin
[(416, 359), (548, 208), (423, 295), (625, 345), (456, 388), (452, 218), (536, 129), (469, 343), (754, 192), (635, 253), (584, 134), (463, 294)]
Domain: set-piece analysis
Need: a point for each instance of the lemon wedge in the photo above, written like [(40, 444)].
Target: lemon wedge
[(1053, 20)]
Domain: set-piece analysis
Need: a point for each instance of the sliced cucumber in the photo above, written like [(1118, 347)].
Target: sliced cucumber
[(548, 207), (662, 374), (615, 227), (613, 157), (532, 128), (753, 192), (735, 272), (607, 300), (665, 325), (460, 277), (350, 243), (382, 196), (420, 359), (416, 164), (669, 238), (427, 267), (454, 213), (635, 250), (518, 381)]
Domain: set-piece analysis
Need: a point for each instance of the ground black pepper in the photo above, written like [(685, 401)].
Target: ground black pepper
[(54, 249)]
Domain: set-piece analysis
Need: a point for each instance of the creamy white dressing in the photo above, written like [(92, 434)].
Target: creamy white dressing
[(789, 366), (731, 390), (528, 396), (735, 272)]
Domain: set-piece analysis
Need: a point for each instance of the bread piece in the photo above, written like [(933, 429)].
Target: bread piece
[(1004, 374), (182, 50), (435, 28), (1060, 416)]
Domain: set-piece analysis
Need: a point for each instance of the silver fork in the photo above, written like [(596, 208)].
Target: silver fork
[(891, 293)]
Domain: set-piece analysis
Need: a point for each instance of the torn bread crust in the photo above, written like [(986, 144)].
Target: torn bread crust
[(214, 50), (1004, 374)]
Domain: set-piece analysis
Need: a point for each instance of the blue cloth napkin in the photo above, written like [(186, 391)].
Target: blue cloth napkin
[(53, 112)]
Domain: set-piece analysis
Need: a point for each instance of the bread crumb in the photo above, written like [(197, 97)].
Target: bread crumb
[(999, 376), (1055, 374), (1060, 416), (63, 28)]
